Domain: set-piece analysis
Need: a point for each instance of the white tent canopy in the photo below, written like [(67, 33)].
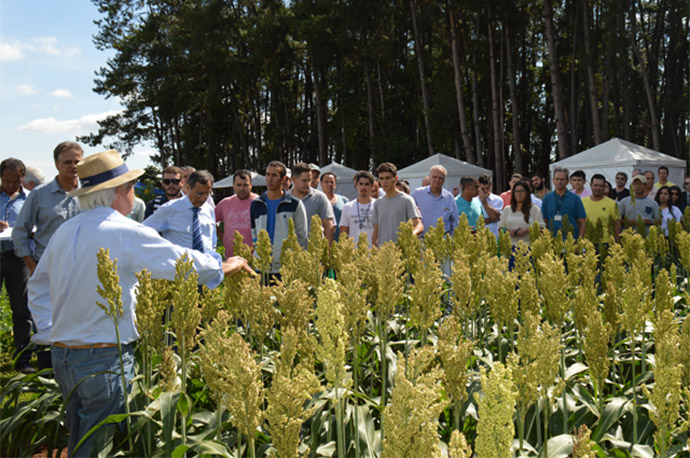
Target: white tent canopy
[(343, 176), (618, 155), (257, 180), (455, 167)]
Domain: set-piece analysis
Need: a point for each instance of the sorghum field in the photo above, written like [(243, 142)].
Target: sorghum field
[(415, 349)]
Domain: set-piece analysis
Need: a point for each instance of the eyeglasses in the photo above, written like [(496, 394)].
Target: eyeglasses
[(620, 178), (171, 180), (675, 194)]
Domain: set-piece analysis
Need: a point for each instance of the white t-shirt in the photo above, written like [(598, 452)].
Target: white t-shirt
[(511, 220), (358, 218)]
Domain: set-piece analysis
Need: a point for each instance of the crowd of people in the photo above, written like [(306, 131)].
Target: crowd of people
[(51, 233)]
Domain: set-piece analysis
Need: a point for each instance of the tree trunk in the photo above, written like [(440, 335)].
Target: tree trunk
[(379, 81), (320, 119), (574, 120), (370, 109), (593, 103), (462, 116), (555, 81), (422, 79), (653, 121), (514, 102), (475, 108), (497, 131)]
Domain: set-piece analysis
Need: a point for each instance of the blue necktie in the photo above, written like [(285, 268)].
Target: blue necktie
[(197, 243)]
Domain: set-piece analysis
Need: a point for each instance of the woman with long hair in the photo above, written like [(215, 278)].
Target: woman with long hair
[(677, 197), (517, 218), (666, 209)]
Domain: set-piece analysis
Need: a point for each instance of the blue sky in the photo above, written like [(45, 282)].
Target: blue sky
[(47, 67)]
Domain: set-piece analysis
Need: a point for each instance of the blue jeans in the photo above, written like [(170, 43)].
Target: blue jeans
[(96, 397)]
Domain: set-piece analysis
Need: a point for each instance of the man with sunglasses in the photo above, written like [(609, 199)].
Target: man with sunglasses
[(189, 222), (172, 187), (620, 192)]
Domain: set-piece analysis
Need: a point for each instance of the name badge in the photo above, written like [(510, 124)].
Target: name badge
[(558, 218)]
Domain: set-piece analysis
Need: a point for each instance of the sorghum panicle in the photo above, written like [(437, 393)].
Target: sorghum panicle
[(410, 421), (495, 429), (233, 375)]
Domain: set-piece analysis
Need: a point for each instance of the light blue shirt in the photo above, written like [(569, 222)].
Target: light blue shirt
[(433, 207), (496, 203), (62, 290), (471, 209), (173, 221), (46, 208), (9, 210)]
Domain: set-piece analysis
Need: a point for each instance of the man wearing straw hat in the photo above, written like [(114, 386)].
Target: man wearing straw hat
[(63, 292)]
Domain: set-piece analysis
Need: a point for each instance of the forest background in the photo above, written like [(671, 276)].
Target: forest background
[(507, 85)]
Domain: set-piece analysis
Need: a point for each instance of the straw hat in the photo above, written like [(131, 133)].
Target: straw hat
[(103, 171)]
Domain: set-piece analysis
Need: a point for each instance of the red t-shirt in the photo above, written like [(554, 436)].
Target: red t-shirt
[(234, 213)]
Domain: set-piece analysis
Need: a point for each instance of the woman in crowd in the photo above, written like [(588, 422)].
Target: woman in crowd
[(666, 209), (607, 188), (517, 218), (677, 197)]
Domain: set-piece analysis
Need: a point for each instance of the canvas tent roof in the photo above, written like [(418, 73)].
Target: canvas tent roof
[(257, 180), (343, 175), (617, 155), (455, 167)]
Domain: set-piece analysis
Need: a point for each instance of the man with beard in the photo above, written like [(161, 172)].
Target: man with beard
[(643, 206), (601, 208), (273, 210), (172, 188), (315, 202), (233, 211), (620, 192), (539, 185)]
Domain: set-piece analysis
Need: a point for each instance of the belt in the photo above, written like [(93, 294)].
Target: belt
[(84, 347)]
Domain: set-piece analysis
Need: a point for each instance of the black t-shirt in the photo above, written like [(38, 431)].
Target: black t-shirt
[(618, 196)]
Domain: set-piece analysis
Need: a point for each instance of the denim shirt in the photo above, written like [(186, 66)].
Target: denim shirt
[(9, 210), (45, 208)]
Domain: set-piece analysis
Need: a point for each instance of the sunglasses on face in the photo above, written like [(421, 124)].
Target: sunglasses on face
[(675, 194), (171, 180)]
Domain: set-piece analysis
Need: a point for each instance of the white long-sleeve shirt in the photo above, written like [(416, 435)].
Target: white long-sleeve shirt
[(62, 290)]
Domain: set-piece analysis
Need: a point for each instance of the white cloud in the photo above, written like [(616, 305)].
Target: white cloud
[(27, 89), (10, 50), (145, 153), (15, 49), (45, 45), (85, 124), (63, 93)]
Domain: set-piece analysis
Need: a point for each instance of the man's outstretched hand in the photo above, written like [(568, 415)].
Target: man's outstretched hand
[(236, 264)]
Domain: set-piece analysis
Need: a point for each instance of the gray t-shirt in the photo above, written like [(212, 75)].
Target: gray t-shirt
[(316, 203), (646, 207), (389, 212)]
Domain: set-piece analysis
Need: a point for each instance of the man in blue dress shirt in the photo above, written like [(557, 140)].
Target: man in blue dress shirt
[(434, 201), (63, 292), (175, 220), (560, 203), (45, 209)]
